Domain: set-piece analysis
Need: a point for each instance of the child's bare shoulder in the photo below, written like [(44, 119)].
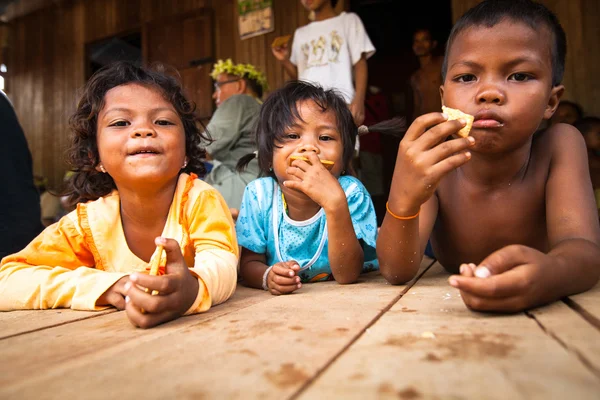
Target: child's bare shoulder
[(558, 140)]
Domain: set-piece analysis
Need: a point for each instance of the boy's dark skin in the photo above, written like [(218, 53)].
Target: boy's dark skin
[(425, 82), (520, 210)]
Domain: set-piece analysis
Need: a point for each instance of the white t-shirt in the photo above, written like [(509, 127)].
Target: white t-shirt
[(325, 52)]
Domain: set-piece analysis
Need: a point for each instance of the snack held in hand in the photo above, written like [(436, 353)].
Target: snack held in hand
[(457, 114), (326, 163), (281, 41)]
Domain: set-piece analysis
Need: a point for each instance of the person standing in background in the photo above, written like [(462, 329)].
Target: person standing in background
[(331, 51), (426, 81), (20, 218)]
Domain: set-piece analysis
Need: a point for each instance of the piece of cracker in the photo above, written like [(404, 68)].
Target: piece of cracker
[(281, 41), (456, 114), (326, 163)]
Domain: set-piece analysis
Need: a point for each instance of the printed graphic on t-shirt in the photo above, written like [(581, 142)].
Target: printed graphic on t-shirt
[(320, 52)]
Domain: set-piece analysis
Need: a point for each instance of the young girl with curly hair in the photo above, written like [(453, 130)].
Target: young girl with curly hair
[(135, 152)]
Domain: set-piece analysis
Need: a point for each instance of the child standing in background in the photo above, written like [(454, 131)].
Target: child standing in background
[(511, 211), (135, 149), (303, 222), (331, 51)]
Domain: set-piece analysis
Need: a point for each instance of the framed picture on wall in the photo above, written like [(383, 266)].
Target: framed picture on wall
[(255, 17)]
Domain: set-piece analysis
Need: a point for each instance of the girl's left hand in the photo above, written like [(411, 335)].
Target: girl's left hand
[(177, 290), (511, 279), (315, 181)]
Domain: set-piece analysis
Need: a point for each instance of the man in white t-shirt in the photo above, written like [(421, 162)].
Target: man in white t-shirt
[(330, 51)]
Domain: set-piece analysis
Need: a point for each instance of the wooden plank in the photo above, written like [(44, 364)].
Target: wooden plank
[(14, 323), (28, 355), (429, 345), (267, 350), (587, 304), (572, 330)]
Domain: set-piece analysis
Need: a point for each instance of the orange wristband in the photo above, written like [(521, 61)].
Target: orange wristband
[(387, 207)]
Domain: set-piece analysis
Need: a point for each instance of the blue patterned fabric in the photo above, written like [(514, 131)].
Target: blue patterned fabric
[(302, 241)]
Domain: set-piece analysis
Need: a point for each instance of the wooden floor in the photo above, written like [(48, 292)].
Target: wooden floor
[(368, 340)]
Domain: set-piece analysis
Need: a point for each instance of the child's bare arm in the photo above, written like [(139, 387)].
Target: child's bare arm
[(357, 107), (281, 279), (282, 54), (345, 253), (518, 277), (424, 158)]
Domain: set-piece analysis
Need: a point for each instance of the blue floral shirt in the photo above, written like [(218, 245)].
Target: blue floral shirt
[(263, 227)]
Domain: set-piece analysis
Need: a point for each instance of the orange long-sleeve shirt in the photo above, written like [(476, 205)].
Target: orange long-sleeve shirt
[(73, 262)]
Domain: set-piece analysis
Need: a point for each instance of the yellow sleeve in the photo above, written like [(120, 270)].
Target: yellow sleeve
[(213, 236), (56, 270)]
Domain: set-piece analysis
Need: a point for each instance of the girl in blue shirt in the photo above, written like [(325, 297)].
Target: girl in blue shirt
[(304, 222)]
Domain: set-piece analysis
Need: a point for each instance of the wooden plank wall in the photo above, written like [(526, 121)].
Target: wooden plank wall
[(47, 58), (581, 21)]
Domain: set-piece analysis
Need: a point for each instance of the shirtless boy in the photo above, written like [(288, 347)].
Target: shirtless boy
[(426, 81), (512, 213)]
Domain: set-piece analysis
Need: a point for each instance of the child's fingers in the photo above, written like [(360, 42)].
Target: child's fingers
[(449, 148), (422, 123), (467, 270), (295, 185), (284, 289), (285, 280), (117, 300), (296, 171), (506, 304), (436, 135), (301, 164), (508, 284), (163, 284), (175, 260), (505, 259), (149, 303), (283, 269), (442, 168), (144, 319)]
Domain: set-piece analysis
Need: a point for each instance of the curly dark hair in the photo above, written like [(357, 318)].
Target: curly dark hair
[(87, 183)]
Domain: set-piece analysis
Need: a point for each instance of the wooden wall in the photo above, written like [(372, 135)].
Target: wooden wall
[(581, 21), (47, 58)]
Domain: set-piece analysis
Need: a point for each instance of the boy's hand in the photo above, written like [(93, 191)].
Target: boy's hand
[(424, 158), (282, 278), (511, 279), (114, 295), (357, 108), (281, 53), (177, 290), (315, 181)]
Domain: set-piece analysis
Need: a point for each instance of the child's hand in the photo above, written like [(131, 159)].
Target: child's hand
[(177, 290), (281, 53), (315, 181), (114, 295), (282, 278), (511, 279), (424, 158)]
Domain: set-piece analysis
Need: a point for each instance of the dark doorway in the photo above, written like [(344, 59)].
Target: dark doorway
[(391, 25), (126, 47)]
